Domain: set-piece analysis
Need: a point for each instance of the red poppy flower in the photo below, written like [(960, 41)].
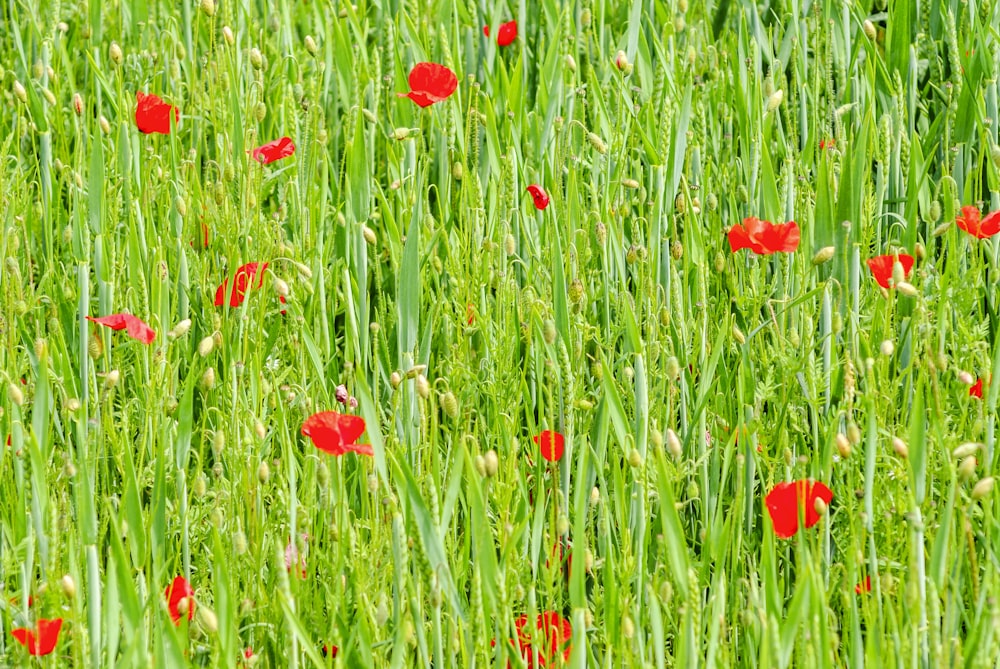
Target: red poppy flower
[(881, 267), (39, 641), (430, 83), (179, 591), (276, 150), (243, 281), (134, 327), (557, 633), (976, 390), (825, 144), (506, 34), (864, 586), (969, 221), (764, 237), (335, 433), (470, 313), (551, 445), (785, 500), (152, 114), (539, 195)]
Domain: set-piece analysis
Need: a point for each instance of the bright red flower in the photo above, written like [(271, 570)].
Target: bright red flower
[(539, 195), (557, 633), (881, 267), (152, 114), (551, 445), (335, 433), (134, 327), (786, 499), (764, 237), (506, 35), (178, 591), (864, 586), (975, 390), (41, 640), (243, 281), (276, 150), (969, 221), (430, 83)]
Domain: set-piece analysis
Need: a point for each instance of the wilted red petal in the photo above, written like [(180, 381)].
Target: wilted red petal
[(976, 390), (152, 114), (539, 195), (42, 640), (175, 593), (276, 150), (430, 83), (556, 632), (335, 433), (241, 283), (881, 267), (785, 499), (864, 586), (506, 35), (134, 327), (551, 445)]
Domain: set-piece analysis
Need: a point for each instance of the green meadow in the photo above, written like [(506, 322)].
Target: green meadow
[(296, 370)]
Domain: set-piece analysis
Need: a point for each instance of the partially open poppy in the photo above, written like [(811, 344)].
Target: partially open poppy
[(180, 599), (864, 586), (969, 220), (786, 499), (134, 327), (335, 433), (41, 640), (506, 35), (975, 390), (556, 632), (881, 267), (551, 445), (241, 283), (430, 83), (276, 150), (764, 237), (539, 195), (152, 114)]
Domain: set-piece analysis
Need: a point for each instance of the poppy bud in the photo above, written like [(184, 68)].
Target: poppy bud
[(983, 488), (899, 446), (180, 329), (208, 379), (395, 379), (679, 24), (656, 437), (263, 471), (595, 496), (423, 387), (227, 34), (597, 143), (965, 450), (738, 335), (907, 289), (382, 612), (280, 287), (260, 111), (240, 542), (676, 250), (601, 232), (869, 29), (256, 59), (480, 464), (200, 486), (853, 433), (217, 338), (19, 92), (820, 506), (492, 463), (634, 458), (311, 45), (112, 378), (322, 475), (208, 6), (68, 586), (672, 368), (206, 345), (674, 444), (115, 53), (898, 273), (680, 204), (549, 331), (967, 468), (843, 445), (720, 262), (570, 63), (919, 251), (218, 442), (78, 104), (621, 61), (774, 100), (823, 255), (369, 235), (208, 619), (450, 404), (73, 405), (887, 347)]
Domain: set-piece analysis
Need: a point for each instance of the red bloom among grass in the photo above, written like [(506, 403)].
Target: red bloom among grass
[(786, 499), (470, 313), (556, 632), (826, 144), (506, 35), (272, 151), (430, 83), (969, 220), (152, 114), (180, 599), (975, 390), (335, 433), (881, 267), (134, 327), (763, 237), (551, 444), (539, 195), (242, 282), (41, 640), (864, 586)]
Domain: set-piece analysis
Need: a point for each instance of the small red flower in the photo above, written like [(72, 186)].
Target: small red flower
[(39, 641), (975, 390), (539, 195), (134, 327), (881, 267), (276, 150), (506, 35), (242, 282), (152, 114), (551, 445), (470, 313), (557, 633), (969, 221), (764, 237), (430, 83), (785, 500), (864, 586), (825, 144), (179, 591), (335, 433)]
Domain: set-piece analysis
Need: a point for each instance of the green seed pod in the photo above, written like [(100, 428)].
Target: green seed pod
[(935, 211)]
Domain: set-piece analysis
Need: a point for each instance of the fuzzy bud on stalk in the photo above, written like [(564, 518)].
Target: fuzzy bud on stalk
[(967, 468), (983, 488), (311, 45), (68, 586), (823, 255), (423, 387), (899, 446), (869, 29), (115, 53), (674, 444), (479, 462), (965, 450), (843, 445), (208, 6), (450, 404), (206, 345), (887, 347), (634, 458), (738, 335), (208, 619), (820, 506), (19, 92), (15, 394), (907, 289), (966, 378), (492, 463), (369, 235), (208, 379), (597, 143), (570, 63), (263, 471), (105, 125), (774, 100), (227, 35), (280, 287), (256, 58), (395, 379), (78, 104)]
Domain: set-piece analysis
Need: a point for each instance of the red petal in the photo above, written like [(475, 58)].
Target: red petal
[(785, 237), (242, 281), (41, 641), (968, 220), (881, 267), (134, 327), (178, 590), (507, 33), (864, 586), (335, 433), (153, 114), (990, 225), (272, 151), (784, 500), (486, 30), (551, 444), (539, 195), (974, 391), (738, 238), (430, 83)]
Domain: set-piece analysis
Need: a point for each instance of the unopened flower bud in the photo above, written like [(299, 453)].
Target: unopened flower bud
[(450, 404), (68, 586), (281, 287), (479, 462), (900, 447), (823, 255), (208, 379), (423, 387), (965, 450), (19, 92), (774, 100), (78, 104), (227, 35), (208, 618), (369, 235), (208, 6), (570, 63), (898, 273), (263, 471), (887, 347), (256, 58), (634, 458), (674, 444), (906, 288), (869, 29), (621, 60), (311, 45), (206, 345), (820, 506), (597, 143), (595, 496), (983, 488), (738, 335), (967, 468), (966, 378), (492, 463), (395, 379), (853, 433)]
